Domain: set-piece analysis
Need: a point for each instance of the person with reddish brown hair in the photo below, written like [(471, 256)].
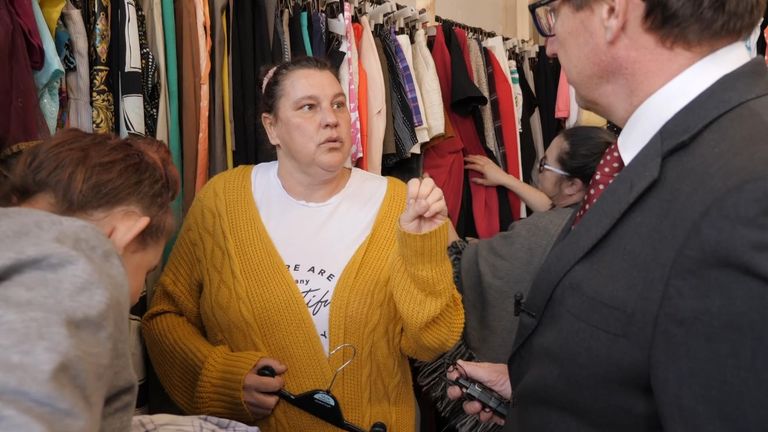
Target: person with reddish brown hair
[(83, 219)]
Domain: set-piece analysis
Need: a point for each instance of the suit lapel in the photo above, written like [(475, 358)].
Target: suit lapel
[(746, 83), (619, 196)]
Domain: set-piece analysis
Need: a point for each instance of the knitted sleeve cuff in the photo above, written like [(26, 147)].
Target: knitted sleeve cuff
[(425, 254), (220, 390)]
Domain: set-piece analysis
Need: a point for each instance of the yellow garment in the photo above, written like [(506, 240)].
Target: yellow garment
[(588, 118), (51, 13), (225, 92), (226, 299)]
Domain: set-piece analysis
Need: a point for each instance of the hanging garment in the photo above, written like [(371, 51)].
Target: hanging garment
[(78, 80), (172, 80), (465, 100), (225, 89), (128, 56), (445, 159), (150, 82), (203, 20), (155, 34), (402, 118), (217, 131), (22, 120), (319, 29), (407, 78), (352, 93), (269, 8), (563, 98), (498, 134), (496, 45), (426, 75), (67, 58), (48, 79), (24, 17), (286, 15), (388, 146), (422, 131), (304, 20), (527, 146), (51, 10), (444, 162), (376, 98), (250, 54), (517, 92), (481, 74), (362, 100), (276, 44), (295, 34), (189, 93), (509, 132), (535, 120), (547, 75)]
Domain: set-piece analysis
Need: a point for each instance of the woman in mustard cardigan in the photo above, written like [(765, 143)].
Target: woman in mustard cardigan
[(280, 263)]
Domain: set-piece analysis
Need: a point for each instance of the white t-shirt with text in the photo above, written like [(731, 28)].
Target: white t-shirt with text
[(317, 240)]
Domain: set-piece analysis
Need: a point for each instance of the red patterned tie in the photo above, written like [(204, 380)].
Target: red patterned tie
[(609, 167)]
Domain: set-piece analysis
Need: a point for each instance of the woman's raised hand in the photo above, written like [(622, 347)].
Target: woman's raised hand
[(425, 209)]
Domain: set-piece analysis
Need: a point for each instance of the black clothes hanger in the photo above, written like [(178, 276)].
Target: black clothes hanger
[(321, 403)]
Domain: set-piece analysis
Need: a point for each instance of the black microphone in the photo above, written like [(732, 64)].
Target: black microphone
[(518, 306)]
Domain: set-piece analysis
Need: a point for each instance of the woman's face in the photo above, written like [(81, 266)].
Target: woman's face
[(139, 262), (311, 127), (550, 182)]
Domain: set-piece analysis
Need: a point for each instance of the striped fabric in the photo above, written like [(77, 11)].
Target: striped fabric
[(167, 423), (405, 72), (405, 130)]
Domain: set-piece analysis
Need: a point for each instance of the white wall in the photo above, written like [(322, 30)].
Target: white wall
[(506, 17)]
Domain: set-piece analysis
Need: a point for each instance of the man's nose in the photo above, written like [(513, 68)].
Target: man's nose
[(550, 44)]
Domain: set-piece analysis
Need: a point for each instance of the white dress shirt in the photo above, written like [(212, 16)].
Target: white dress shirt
[(667, 101)]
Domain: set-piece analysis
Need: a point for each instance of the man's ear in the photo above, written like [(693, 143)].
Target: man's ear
[(123, 226), (613, 14), (269, 125)]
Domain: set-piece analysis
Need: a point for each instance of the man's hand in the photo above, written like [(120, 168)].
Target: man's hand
[(492, 375)]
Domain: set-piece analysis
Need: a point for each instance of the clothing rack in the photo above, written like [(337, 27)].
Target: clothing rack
[(471, 29)]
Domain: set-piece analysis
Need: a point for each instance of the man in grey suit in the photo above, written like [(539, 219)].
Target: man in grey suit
[(651, 313)]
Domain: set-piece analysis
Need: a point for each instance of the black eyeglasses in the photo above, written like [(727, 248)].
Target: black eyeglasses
[(543, 165), (544, 17)]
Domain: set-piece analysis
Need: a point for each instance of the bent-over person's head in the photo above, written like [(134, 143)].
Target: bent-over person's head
[(569, 163), (123, 186)]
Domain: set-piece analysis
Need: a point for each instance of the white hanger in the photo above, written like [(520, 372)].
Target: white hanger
[(337, 25), (405, 12), (376, 15)]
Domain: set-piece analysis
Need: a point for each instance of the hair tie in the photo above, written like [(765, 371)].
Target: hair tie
[(267, 77)]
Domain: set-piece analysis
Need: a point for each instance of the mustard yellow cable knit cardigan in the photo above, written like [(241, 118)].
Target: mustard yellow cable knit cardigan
[(226, 299)]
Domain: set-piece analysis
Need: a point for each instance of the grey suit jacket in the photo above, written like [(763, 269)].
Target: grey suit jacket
[(653, 312)]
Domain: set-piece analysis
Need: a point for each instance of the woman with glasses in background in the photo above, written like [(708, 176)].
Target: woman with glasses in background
[(494, 275), (564, 170)]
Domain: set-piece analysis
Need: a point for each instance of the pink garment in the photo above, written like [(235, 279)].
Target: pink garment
[(204, 42), (765, 33), (357, 146), (563, 101)]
